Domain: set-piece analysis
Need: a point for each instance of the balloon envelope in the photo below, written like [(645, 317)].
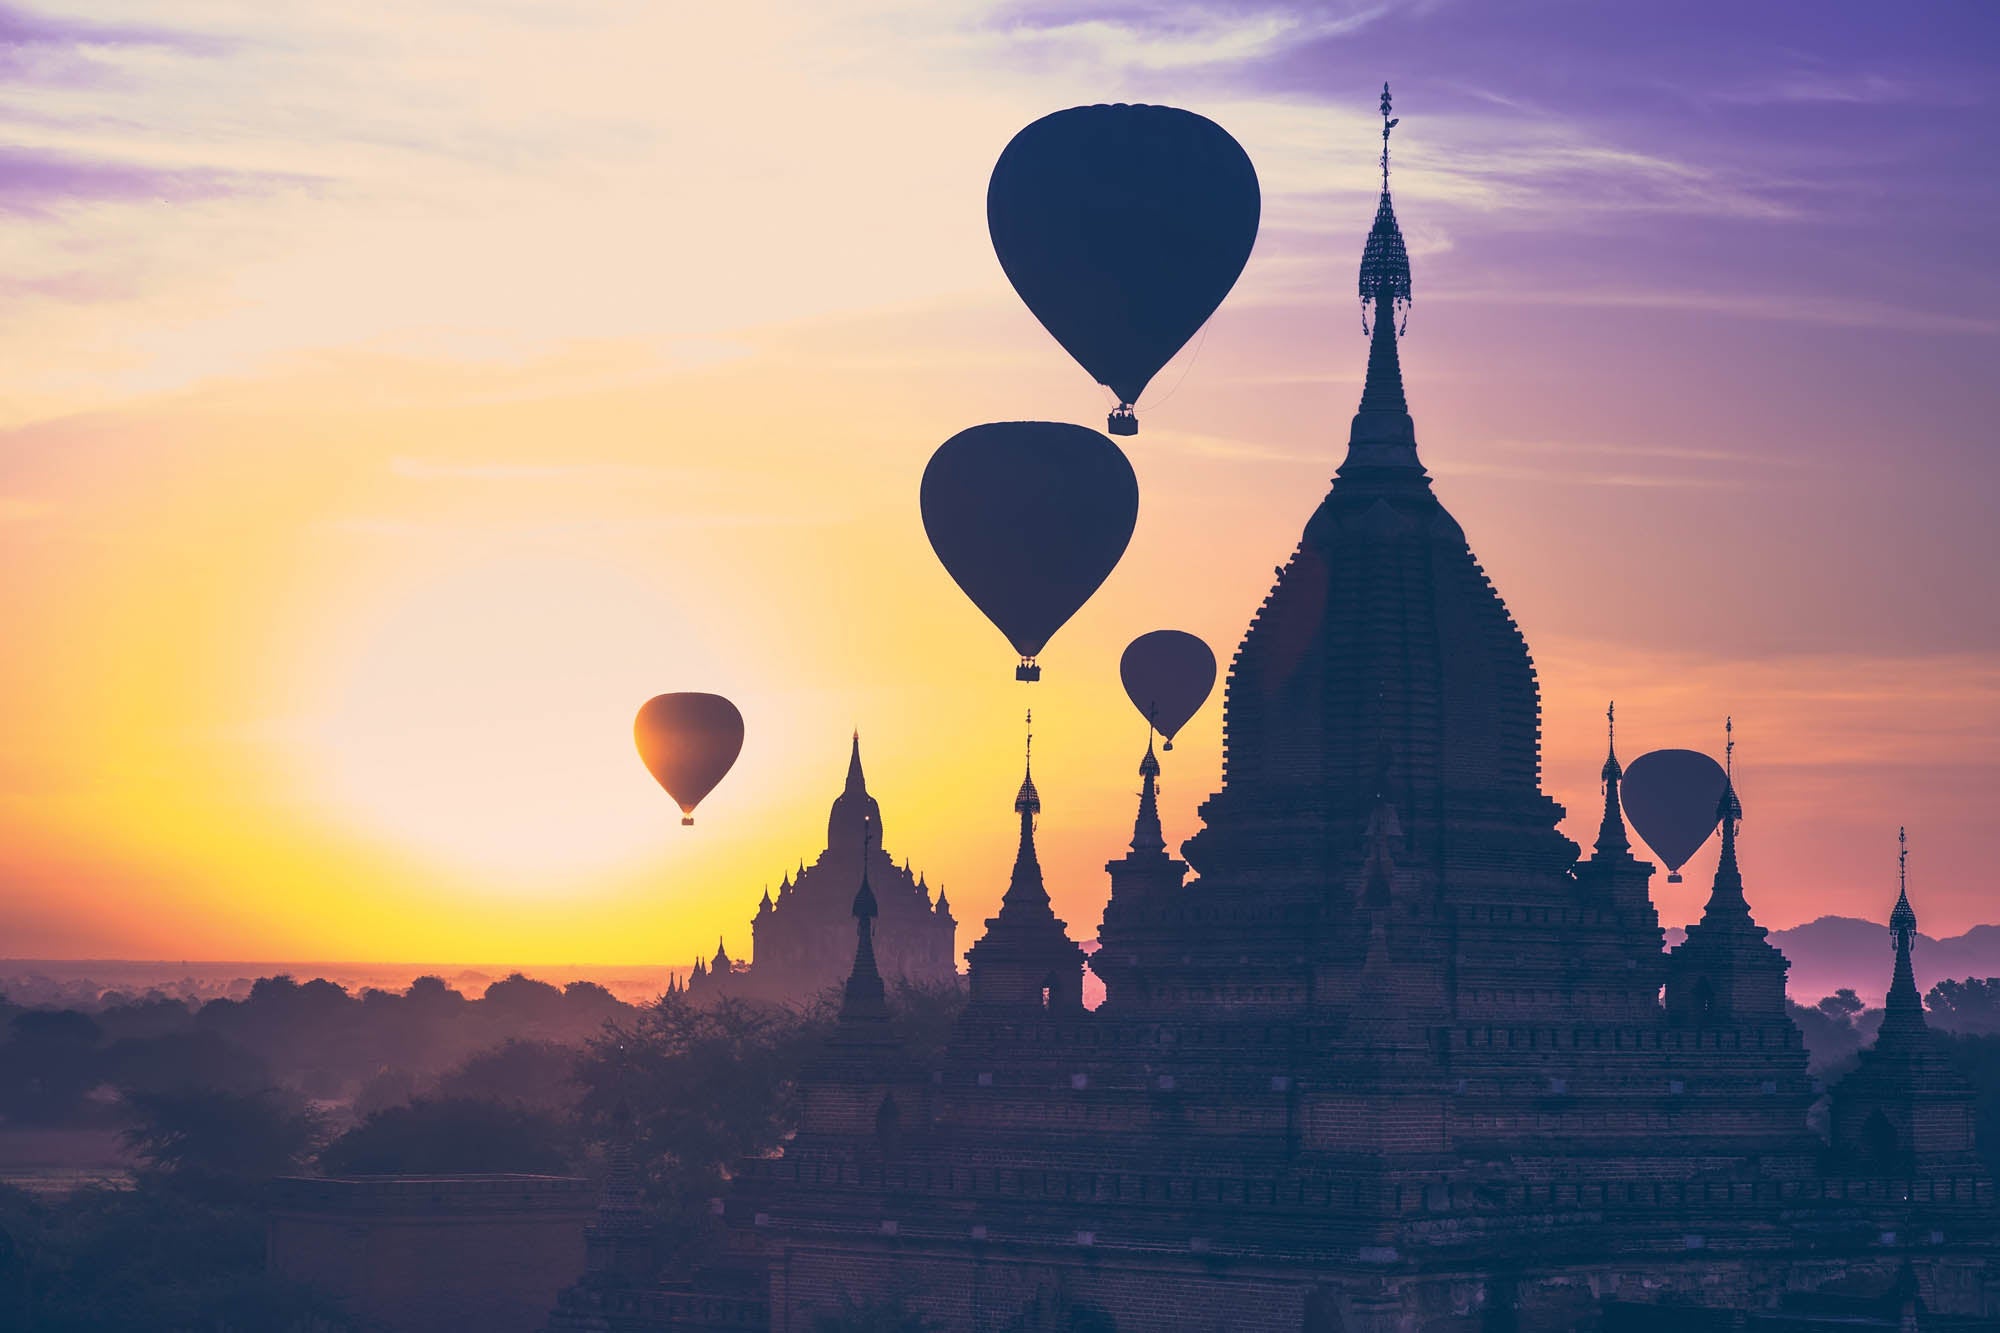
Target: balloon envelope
[(1122, 228), (689, 742), (1029, 517), (1672, 797), (1168, 675)]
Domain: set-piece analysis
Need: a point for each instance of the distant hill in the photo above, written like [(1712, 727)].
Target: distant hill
[(1837, 951)]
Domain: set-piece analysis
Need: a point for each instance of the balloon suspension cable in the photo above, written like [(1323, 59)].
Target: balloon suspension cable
[(1200, 342)]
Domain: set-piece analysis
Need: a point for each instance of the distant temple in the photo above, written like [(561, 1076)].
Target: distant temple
[(1400, 1058), (802, 942)]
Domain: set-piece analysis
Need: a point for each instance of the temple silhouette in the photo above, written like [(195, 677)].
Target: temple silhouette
[(1398, 1056), (802, 942)]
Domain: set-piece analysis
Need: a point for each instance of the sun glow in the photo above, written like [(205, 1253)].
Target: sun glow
[(483, 717)]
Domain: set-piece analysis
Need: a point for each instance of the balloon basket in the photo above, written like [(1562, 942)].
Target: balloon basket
[(1027, 671), (686, 820), (1122, 422), (1674, 877), (1168, 746)]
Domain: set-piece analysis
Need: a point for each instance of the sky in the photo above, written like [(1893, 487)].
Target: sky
[(392, 398)]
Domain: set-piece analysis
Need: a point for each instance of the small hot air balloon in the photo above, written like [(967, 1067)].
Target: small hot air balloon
[(1673, 797), (1122, 228), (689, 742), (1029, 517), (1168, 675)]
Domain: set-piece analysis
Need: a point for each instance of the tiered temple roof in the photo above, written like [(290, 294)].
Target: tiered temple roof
[(802, 941)]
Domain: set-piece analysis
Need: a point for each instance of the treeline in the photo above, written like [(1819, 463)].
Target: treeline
[(1840, 1025), (371, 1048), (182, 1248)]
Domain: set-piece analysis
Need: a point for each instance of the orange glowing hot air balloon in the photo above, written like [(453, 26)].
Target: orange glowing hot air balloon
[(689, 743)]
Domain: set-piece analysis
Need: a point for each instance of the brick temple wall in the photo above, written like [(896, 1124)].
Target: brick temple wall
[(435, 1254)]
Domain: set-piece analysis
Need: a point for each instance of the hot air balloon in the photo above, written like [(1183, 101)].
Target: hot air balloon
[(1122, 228), (1672, 797), (1029, 517), (689, 742), (1168, 675)]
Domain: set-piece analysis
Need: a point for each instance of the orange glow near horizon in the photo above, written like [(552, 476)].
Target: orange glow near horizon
[(438, 392)]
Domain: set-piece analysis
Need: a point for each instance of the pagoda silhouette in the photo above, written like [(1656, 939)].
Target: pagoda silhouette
[(1398, 1056), (802, 941)]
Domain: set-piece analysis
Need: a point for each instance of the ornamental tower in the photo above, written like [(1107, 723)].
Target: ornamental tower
[(1026, 959), (1905, 1108)]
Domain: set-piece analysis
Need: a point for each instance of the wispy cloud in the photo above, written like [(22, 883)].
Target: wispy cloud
[(1800, 309), (1221, 446), (1182, 38), (1579, 476), (426, 469), (63, 51), (38, 180), (1813, 87)]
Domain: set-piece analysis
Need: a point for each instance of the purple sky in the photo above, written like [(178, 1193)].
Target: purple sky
[(313, 313)]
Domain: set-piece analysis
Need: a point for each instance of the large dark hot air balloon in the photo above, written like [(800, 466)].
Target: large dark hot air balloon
[(689, 741), (1168, 674), (1673, 797), (1122, 228), (1029, 517)]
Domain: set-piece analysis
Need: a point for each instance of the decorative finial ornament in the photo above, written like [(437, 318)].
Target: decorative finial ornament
[(1028, 801), (1612, 769), (1387, 125), (1611, 839), (1385, 260), (1903, 918), (1904, 1009)]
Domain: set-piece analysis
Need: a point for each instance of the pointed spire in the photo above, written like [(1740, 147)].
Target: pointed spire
[(1725, 899), (1028, 801), (1024, 889), (721, 961), (1383, 436), (863, 996), (857, 784), (764, 907), (1903, 1013), (1385, 260), (943, 904), (1147, 836), (1611, 838), (1382, 392)]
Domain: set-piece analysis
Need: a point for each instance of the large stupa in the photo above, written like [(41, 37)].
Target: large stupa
[(1397, 1057)]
